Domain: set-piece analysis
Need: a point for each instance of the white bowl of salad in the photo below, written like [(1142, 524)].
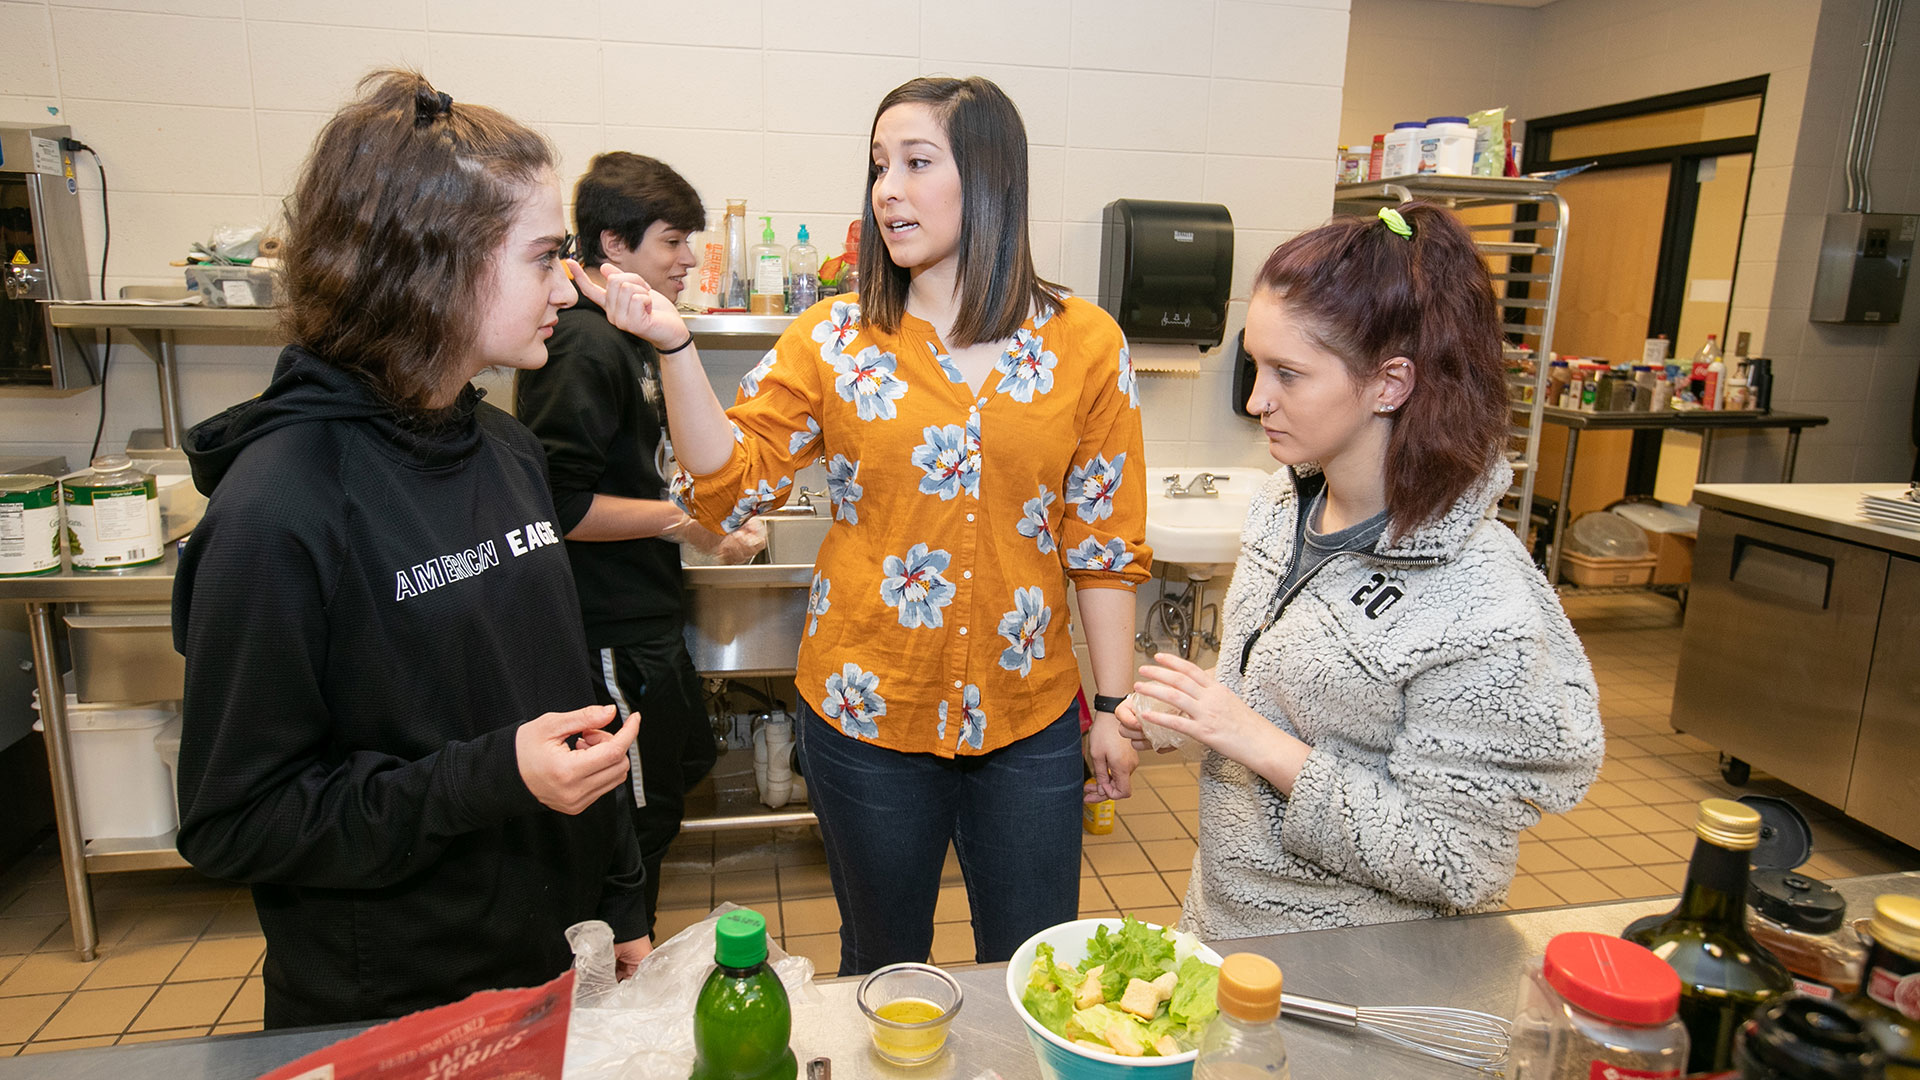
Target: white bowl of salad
[(1105, 998)]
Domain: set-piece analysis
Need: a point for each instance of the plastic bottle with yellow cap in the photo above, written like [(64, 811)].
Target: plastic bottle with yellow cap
[(1724, 974), (1244, 1042), (1889, 997)]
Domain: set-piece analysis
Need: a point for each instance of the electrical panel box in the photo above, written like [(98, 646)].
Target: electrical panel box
[(1865, 260)]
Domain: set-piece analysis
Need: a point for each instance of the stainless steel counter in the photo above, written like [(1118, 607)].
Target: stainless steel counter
[(1828, 509), (1471, 962)]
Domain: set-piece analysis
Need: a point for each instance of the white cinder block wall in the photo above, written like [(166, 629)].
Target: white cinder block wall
[(1578, 54), (203, 109)]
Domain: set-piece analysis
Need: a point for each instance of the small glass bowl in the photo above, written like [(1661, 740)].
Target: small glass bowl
[(909, 1042)]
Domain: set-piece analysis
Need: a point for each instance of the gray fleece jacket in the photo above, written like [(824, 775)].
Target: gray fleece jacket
[(1447, 701)]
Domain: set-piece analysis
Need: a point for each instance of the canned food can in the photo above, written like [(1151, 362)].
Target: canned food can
[(112, 524), (29, 525)]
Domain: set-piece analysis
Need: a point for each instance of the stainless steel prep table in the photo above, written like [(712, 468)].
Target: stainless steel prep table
[(1705, 421), (1473, 962)]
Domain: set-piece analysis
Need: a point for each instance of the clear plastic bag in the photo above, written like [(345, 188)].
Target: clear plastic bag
[(1162, 737), (1608, 536), (642, 1029)]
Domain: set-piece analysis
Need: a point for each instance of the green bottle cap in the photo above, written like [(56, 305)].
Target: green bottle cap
[(766, 234), (740, 939)]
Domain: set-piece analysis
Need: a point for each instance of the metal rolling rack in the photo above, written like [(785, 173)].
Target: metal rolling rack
[(1522, 239)]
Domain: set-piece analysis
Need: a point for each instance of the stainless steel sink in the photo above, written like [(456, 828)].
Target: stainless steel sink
[(747, 620)]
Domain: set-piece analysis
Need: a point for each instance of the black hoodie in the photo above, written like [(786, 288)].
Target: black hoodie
[(368, 614)]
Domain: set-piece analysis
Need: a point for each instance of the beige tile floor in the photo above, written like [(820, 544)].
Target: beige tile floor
[(181, 955)]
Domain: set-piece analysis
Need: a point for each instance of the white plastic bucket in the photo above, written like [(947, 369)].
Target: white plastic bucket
[(123, 786)]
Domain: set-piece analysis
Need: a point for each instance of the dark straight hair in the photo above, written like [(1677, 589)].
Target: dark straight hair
[(391, 231), (625, 193), (998, 286), (1367, 294)]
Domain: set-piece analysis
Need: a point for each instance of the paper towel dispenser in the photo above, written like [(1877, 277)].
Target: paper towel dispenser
[(1166, 269)]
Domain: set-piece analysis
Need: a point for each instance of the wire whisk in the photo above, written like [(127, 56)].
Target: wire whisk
[(1464, 1036)]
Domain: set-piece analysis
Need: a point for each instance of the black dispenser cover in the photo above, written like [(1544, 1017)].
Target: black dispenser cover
[(1166, 269)]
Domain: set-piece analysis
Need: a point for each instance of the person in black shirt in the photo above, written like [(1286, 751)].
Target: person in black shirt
[(389, 731), (597, 409)]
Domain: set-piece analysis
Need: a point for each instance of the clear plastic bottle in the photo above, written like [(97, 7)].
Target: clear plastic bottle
[(1708, 373), (1244, 1042), (803, 274), (769, 281), (735, 282), (1598, 1006)]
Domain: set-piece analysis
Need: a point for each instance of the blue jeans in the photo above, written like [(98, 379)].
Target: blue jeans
[(1012, 816)]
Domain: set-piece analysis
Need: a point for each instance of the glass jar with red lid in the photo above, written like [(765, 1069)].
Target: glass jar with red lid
[(1598, 1006)]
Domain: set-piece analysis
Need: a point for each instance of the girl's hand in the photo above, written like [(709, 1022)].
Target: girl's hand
[(1220, 720), (628, 954), (565, 772), (1130, 727), (632, 305), (1111, 756)]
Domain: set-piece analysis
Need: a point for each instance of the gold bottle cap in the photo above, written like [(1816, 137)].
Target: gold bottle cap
[(1896, 923), (1249, 987), (1728, 824)]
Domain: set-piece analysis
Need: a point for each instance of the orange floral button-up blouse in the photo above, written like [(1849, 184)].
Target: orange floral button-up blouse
[(937, 618)]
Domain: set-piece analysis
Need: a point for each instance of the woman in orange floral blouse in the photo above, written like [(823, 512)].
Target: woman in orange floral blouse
[(981, 432)]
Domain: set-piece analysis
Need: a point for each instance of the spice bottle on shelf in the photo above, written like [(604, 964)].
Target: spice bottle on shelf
[(1803, 1038), (1598, 1006), (1889, 996), (1724, 973), (742, 1020), (1803, 923), (1244, 1040)]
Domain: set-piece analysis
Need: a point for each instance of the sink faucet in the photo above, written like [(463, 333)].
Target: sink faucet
[(1200, 487), (807, 495)]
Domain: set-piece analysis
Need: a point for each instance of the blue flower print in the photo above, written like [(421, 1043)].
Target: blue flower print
[(817, 602), (757, 500), (1046, 312), (1129, 383), (843, 490), (946, 364), (739, 436), (950, 460), (1091, 555), (1090, 487), (802, 438), (1025, 627), (750, 382), (973, 719), (1033, 520), (680, 491), (868, 381), (853, 699), (1026, 367), (940, 732), (914, 585), (837, 330)]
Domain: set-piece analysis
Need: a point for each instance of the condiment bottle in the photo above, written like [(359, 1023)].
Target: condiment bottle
[(803, 274), (1243, 1040), (1724, 973), (741, 1020), (1889, 996), (1803, 923), (1803, 1038), (769, 273), (1598, 1006)]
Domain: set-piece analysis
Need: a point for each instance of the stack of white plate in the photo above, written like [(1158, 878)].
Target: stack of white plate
[(1891, 508)]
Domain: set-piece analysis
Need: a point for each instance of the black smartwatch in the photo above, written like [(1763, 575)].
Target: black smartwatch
[(1107, 703)]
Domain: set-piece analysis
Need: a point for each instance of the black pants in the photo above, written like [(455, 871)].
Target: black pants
[(674, 746)]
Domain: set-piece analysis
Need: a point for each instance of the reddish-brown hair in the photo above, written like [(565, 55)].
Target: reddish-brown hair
[(392, 227), (1367, 294)]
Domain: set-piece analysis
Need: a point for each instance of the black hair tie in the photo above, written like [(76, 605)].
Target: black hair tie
[(429, 105)]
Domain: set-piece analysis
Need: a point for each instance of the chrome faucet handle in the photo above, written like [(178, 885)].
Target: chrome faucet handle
[(1206, 481), (1173, 483), (807, 495)]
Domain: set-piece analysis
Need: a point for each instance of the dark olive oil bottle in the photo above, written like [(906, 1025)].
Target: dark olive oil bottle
[(1724, 974)]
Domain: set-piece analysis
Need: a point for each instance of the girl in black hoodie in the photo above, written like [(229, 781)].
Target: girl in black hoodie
[(390, 730)]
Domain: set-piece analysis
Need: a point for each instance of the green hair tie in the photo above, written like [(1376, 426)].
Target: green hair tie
[(1395, 222)]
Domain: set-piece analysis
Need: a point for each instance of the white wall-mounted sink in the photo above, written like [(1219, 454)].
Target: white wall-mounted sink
[(1200, 531)]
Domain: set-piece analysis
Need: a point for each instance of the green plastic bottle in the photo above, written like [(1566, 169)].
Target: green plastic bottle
[(742, 1021)]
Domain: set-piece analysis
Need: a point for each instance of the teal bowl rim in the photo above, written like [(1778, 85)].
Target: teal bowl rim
[(1020, 966)]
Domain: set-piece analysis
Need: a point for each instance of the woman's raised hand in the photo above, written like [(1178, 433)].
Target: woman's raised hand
[(1216, 717), (632, 305), (567, 773)]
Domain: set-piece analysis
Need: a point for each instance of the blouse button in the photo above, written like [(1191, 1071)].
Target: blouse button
[(968, 574), (969, 517), (956, 684), (963, 631)]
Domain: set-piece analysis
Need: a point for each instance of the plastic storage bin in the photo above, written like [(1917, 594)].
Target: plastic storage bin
[(123, 786), (1599, 570), (222, 285)]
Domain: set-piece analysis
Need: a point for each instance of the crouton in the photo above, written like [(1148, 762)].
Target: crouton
[(1167, 1045), (1140, 999), (1163, 986), (1089, 994), (1120, 1036), (1089, 1044)]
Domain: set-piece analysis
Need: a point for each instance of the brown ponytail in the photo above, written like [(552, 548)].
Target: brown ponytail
[(1368, 294)]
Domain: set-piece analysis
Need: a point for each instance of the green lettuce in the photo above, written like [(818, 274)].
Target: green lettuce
[(1138, 951), (1193, 1002), (1049, 994)]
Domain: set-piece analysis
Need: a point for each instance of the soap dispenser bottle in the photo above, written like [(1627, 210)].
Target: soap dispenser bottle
[(769, 262), (803, 274)]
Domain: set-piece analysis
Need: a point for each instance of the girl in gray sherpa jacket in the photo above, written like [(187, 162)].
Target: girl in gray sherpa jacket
[(1386, 719)]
